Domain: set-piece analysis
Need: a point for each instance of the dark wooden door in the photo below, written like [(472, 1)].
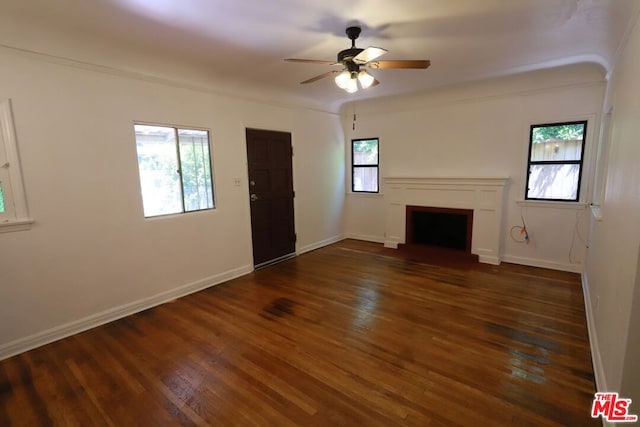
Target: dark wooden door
[(271, 195)]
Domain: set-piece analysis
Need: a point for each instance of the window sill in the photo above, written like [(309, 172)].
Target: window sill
[(550, 204), (23, 224), (365, 195)]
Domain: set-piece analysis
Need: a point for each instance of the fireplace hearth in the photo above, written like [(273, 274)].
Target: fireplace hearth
[(441, 235)]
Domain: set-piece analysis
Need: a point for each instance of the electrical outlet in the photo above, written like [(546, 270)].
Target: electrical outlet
[(237, 182)]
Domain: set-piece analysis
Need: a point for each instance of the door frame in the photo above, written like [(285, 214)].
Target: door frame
[(247, 193)]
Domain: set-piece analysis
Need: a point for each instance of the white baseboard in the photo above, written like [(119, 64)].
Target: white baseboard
[(598, 371), (63, 331), (392, 244), (534, 262), (320, 244), (489, 259), (366, 238)]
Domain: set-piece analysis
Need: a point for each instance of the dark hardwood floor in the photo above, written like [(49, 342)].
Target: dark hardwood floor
[(344, 335)]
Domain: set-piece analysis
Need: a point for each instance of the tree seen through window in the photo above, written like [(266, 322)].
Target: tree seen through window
[(175, 169)]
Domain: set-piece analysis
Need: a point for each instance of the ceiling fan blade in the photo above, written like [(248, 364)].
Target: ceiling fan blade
[(320, 77), (416, 64), (369, 54), (311, 61)]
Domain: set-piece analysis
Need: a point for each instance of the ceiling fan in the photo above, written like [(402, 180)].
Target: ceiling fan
[(354, 60)]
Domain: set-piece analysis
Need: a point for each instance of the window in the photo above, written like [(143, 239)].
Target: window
[(556, 151), (175, 169), (14, 215), (364, 165)]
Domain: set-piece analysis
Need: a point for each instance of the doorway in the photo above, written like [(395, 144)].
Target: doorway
[(269, 160)]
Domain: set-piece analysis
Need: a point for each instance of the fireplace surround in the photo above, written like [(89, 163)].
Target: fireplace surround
[(483, 196)]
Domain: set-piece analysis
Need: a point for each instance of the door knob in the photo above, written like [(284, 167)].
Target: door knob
[(254, 197)]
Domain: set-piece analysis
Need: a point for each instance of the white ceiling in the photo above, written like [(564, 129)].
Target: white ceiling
[(238, 46)]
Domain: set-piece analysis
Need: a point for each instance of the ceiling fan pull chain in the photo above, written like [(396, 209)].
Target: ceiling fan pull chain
[(354, 116)]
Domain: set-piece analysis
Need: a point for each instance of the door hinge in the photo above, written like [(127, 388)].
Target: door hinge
[(295, 238), (294, 194)]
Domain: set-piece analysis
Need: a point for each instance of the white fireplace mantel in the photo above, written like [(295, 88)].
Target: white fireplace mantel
[(484, 195)]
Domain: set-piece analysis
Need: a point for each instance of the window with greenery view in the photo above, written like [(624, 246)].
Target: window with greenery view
[(556, 153), (364, 165), (1, 200), (175, 169)]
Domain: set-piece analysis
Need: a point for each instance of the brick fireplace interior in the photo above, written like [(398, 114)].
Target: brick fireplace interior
[(444, 228)]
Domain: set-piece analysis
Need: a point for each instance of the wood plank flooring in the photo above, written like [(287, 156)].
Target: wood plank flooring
[(344, 335)]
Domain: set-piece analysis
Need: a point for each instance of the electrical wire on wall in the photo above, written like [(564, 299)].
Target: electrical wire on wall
[(576, 234), (519, 233)]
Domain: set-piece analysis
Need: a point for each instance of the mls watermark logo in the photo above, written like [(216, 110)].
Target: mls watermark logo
[(612, 408)]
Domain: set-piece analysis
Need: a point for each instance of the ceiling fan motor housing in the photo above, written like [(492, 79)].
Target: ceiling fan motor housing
[(346, 56)]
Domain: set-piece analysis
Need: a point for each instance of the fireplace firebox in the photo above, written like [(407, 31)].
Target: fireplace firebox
[(445, 228)]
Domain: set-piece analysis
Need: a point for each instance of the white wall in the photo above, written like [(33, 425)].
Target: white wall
[(482, 130), (91, 256), (613, 268)]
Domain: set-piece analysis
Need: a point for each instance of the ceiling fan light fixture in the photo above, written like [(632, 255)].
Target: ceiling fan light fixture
[(352, 85), (365, 79), (342, 79)]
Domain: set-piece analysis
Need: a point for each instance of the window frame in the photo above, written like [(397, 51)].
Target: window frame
[(354, 166), (176, 130), (16, 214), (580, 162)]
